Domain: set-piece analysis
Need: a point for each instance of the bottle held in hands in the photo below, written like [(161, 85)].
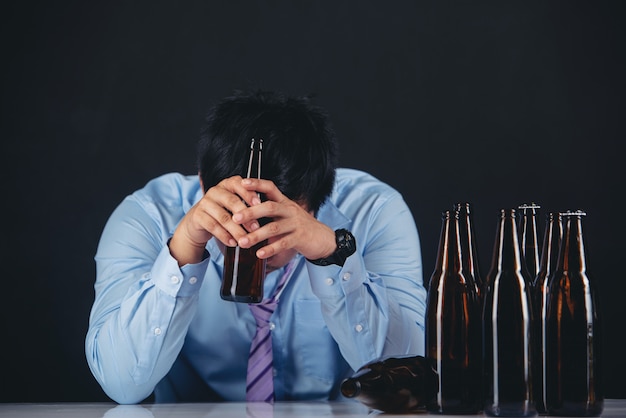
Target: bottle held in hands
[(244, 272)]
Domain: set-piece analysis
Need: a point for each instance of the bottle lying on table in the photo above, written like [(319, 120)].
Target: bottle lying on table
[(393, 384)]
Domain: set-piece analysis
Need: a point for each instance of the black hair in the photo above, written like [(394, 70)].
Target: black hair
[(299, 144)]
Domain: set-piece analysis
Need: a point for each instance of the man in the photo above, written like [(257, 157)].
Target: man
[(354, 292)]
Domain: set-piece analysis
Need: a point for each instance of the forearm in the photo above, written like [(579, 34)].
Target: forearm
[(132, 342), (368, 318), (374, 306)]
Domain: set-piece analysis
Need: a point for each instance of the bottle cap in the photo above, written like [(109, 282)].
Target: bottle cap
[(574, 213)]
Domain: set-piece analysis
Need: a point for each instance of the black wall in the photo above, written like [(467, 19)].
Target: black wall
[(495, 103)]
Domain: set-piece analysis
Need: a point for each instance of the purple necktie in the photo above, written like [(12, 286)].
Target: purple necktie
[(260, 379)]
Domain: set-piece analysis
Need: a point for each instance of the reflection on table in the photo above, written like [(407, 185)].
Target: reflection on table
[(612, 408)]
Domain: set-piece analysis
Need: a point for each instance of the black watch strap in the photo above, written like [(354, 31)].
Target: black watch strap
[(346, 246)]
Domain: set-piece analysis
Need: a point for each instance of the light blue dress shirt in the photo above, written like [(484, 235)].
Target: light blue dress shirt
[(157, 327)]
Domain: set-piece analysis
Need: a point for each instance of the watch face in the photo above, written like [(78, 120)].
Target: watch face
[(345, 244)]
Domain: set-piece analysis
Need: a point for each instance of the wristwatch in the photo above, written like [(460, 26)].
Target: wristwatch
[(346, 246)]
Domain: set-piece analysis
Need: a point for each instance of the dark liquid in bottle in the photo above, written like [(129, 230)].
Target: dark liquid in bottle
[(453, 328), (507, 348), (573, 332), (244, 275), (507, 329)]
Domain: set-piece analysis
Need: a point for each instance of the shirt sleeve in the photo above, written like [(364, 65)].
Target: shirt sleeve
[(143, 304), (374, 305)]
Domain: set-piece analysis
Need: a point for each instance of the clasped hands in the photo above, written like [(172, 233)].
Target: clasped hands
[(230, 210)]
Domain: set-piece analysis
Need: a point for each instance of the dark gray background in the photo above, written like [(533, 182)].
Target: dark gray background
[(495, 103)]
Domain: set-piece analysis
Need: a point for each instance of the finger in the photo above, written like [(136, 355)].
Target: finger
[(266, 211), (275, 246), (208, 223), (218, 221), (227, 197), (234, 185), (267, 187)]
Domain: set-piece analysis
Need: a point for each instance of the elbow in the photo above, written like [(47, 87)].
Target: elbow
[(116, 384)]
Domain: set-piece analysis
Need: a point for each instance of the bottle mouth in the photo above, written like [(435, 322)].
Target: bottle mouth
[(350, 388)]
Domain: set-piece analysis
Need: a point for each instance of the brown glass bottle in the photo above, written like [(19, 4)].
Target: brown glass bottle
[(549, 256), (244, 272), (453, 328), (394, 385), (468, 245), (529, 240), (507, 328), (573, 334)]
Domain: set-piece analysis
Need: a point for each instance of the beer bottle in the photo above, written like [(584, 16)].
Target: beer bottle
[(453, 330), (244, 273), (549, 256), (468, 245), (573, 334), (394, 384), (507, 328)]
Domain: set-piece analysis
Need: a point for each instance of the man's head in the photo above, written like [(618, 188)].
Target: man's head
[(299, 145)]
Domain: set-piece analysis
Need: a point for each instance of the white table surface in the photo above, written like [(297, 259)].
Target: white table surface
[(612, 408)]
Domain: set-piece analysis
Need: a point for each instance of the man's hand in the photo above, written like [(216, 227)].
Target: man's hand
[(291, 226), (212, 217)]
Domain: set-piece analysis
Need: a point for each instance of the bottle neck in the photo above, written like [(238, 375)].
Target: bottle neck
[(506, 250), (551, 243), (450, 252), (351, 387), (466, 235), (529, 238), (572, 255)]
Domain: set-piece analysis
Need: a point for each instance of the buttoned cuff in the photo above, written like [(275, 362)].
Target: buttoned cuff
[(333, 281), (178, 281)]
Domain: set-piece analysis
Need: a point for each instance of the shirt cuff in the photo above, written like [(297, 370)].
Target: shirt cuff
[(177, 281), (333, 281)]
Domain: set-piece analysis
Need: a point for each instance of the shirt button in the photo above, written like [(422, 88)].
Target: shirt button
[(274, 372), (358, 328), (329, 281), (175, 279), (346, 276), (157, 331), (193, 280), (272, 326)]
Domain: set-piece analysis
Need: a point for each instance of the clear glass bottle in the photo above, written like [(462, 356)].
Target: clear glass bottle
[(453, 327), (394, 385), (468, 245), (244, 273), (573, 331), (507, 328), (549, 256)]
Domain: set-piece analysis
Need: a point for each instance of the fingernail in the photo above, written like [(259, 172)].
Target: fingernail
[(254, 226), (232, 243), (246, 181), (256, 201), (237, 217), (243, 241), (260, 253)]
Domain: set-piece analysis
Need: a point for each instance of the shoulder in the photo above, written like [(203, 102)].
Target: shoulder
[(171, 189), (354, 182), (359, 198)]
